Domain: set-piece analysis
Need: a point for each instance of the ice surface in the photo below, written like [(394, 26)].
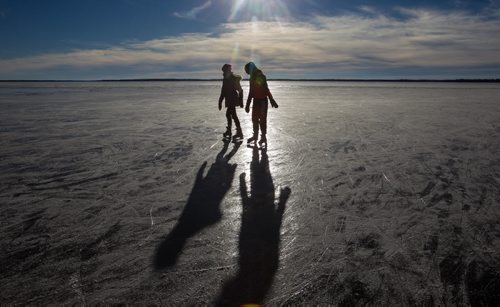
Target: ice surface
[(368, 193)]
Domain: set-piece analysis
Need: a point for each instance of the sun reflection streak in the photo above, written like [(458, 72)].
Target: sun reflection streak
[(236, 8), (244, 10)]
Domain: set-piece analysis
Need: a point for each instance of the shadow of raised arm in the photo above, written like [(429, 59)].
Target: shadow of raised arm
[(202, 208)]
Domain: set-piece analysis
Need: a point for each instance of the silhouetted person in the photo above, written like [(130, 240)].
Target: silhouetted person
[(259, 92), (259, 238), (232, 93), (202, 208)]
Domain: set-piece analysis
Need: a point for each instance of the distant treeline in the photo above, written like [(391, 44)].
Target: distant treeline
[(270, 79)]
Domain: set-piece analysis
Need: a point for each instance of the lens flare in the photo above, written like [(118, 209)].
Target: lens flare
[(235, 54)]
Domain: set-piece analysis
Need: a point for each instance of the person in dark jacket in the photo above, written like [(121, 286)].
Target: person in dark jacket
[(232, 93), (259, 92)]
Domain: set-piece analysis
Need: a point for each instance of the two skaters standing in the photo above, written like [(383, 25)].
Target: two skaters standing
[(233, 94)]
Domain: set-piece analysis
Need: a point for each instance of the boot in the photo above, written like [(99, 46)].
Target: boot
[(227, 134), (239, 133), (263, 139)]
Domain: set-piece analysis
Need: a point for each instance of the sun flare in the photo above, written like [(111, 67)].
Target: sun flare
[(245, 10)]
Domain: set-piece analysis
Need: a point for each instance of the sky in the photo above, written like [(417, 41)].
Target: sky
[(302, 39)]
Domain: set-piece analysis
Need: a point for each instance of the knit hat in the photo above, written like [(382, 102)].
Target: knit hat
[(250, 68)]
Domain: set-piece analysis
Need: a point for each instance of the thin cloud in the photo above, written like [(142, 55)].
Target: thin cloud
[(424, 39), (193, 13), (495, 3)]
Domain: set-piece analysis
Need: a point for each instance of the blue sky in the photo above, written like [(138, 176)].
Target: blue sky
[(96, 39)]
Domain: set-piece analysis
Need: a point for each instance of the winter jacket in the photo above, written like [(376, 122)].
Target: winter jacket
[(258, 86), (231, 91)]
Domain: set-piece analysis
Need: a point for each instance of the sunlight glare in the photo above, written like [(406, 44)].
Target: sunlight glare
[(236, 8), (267, 10)]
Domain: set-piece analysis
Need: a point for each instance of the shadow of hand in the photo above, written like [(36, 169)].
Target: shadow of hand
[(202, 210)]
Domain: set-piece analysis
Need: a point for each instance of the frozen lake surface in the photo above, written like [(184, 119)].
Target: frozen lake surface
[(368, 193)]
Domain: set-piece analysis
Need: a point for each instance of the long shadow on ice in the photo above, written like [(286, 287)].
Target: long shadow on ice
[(202, 208), (259, 239)]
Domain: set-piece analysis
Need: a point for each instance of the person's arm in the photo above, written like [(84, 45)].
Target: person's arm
[(221, 97), (267, 89), (271, 99), (249, 99), (240, 92)]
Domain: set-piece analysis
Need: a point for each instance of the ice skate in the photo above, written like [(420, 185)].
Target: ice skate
[(227, 134), (252, 139), (238, 136), (263, 140)]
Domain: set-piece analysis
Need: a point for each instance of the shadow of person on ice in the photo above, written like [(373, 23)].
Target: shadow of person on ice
[(259, 239), (202, 207)]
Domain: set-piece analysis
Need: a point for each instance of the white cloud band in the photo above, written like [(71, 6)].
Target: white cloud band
[(423, 39)]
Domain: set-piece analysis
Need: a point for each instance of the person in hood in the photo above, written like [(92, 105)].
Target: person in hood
[(232, 93), (259, 93)]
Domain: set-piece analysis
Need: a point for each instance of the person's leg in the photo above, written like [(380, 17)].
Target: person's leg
[(263, 122), (228, 118), (263, 118), (234, 116), (255, 121)]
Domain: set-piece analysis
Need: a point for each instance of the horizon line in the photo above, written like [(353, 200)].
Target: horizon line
[(270, 79)]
